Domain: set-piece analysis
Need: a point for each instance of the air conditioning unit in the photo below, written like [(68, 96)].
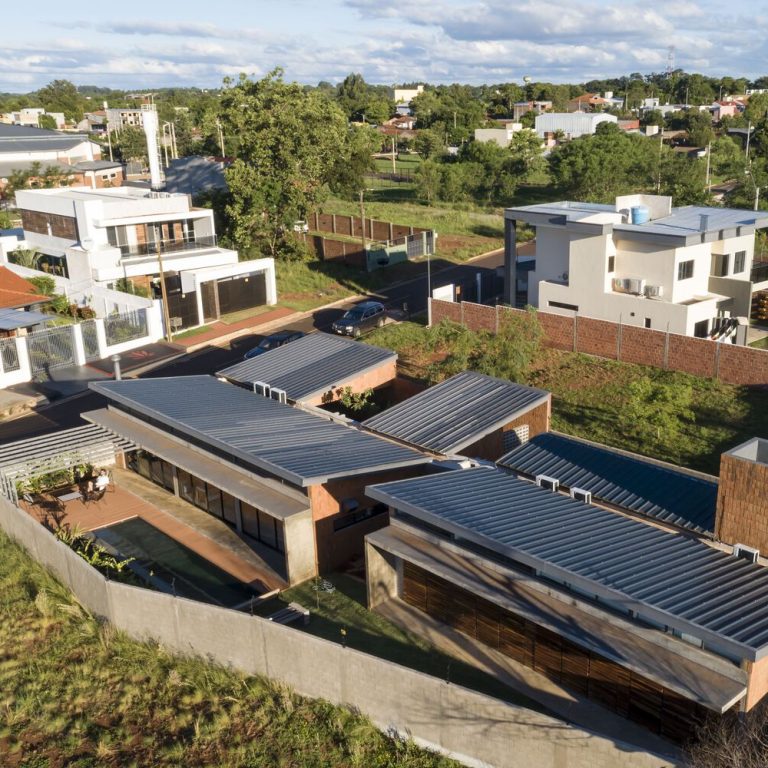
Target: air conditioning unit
[(747, 553), (551, 483), (618, 284), (581, 495), (278, 394), (635, 285), (654, 291)]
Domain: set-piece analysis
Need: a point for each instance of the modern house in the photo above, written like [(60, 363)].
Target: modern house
[(471, 414), (101, 236), (290, 480), (658, 627), (501, 135), (640, 262), (20, 144), (316, 369), (571, 124)]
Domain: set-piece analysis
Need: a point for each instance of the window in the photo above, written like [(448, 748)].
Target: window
[(228, 508), (739, 262), (647, 322), (685, 270), (720, 264), (701, 329), (563, 305), (611, 264), (186, 487)]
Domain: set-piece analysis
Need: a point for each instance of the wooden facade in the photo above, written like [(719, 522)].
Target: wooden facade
[(580, 669)]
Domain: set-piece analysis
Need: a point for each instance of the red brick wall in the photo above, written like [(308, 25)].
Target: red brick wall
[(491, 446), (350, 225), (741, 495), (700, 357)]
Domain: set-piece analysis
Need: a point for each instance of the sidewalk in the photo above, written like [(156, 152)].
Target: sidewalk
[(221, 331)]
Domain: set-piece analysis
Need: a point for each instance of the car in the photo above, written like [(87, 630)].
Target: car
[(272, 341), (362, 317)]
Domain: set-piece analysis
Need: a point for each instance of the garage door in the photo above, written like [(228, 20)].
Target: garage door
[(242, 292)]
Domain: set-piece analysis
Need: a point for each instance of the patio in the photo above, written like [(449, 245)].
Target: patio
[(130, 496)]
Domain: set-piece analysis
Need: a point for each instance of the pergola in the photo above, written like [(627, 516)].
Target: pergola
[(89, 444)]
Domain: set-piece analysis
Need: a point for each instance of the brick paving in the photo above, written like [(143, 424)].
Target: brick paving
[(218, 329)]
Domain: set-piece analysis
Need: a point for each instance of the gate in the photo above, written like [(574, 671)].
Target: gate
[(90, 340), (51, 348)]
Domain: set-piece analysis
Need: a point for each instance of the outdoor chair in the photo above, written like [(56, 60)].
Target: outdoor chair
[(95, 495)]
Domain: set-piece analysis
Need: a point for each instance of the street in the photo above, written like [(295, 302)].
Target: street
[(66, 414)]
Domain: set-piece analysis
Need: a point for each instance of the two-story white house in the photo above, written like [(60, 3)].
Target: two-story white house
[(639, 262), (102, 236)]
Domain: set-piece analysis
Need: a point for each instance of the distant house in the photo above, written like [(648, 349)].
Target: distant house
[(20, 304), (571, 124), (721, 109), (501, 135), (521, 108), (590, 102)]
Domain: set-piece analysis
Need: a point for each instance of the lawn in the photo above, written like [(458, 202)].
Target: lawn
[(76, 693), (345, 609), (590, 396)]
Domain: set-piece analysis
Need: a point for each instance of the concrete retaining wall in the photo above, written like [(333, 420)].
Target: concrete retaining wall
[(478, 729)]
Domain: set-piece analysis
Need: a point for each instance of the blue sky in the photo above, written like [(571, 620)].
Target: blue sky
[(169, 42)]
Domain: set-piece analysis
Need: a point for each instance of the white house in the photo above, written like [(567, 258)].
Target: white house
[(19, 144), (501, 135), (639, 262), (102, 236), (572, 124), (407, 95)]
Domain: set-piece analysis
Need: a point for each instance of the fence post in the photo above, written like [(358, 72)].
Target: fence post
[(78, 347), (618, 338), (717, 360), (461, 312), (666, 349), (25, 364), (424, 251), (101, 337), (575, 331), (497, 319), (333, 223)]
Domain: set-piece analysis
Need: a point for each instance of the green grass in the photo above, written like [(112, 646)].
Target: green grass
[(589, 396), (192, 332), (75, 692), (369, 632), (760, 343)]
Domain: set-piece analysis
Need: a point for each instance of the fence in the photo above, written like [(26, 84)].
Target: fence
[(744, 366), (25, 358), (339, 224), (457, 721)]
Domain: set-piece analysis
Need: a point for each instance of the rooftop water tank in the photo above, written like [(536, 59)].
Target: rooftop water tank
[(640, 214)]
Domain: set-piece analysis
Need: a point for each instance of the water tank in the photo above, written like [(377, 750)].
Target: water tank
[(640, 214)]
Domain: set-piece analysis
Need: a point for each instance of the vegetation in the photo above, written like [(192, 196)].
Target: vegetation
[(616, 403), (75, 692), (93, 553)]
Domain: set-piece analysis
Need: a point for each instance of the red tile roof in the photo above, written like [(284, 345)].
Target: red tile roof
[(15, 291)]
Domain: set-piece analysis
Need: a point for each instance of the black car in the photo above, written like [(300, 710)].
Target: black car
[(362, 317), (272, 341)]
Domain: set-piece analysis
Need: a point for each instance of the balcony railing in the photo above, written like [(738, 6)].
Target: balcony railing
[(759, 272), (167, 246)]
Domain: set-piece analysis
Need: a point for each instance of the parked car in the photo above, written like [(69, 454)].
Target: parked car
[(362, 317), (272, 341)]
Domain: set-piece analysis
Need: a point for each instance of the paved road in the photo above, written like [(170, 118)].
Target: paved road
[(211, 359)]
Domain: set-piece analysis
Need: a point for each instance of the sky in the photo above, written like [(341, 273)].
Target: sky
[(142, 44)]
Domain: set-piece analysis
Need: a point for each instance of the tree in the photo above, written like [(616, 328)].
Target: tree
[(684, 179), (428, 143), (727, 158), (525, 150), (352, 96), (356, 160), (47, 121), (699, 127), (653, 117), (130, 143), (657, 410), (290, 142), (62, 96), (427, 179)]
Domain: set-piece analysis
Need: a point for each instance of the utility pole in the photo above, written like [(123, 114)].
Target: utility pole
[(221, 138), (174, 150), (394, 157), (658, 177), (749, 134), (757, 196), (709, 162)]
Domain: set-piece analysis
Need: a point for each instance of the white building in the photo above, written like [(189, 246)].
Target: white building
[(572, 124), (407, 95), (639, 262), (124, 118), (101, 236), (501, 135)]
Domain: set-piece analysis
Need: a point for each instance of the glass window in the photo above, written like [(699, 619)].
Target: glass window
[(611, 264), (267, 531), (720, 264), (685, 270), (250, 519), (156, 469), (228, 508), (143, 462), (168, 475), (739, 262), (186, 487), (200, 493), (214, 500)]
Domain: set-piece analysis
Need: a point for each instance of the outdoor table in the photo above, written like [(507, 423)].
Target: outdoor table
[(69, 496)]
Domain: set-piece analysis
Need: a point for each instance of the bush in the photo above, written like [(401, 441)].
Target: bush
[(44, 285)]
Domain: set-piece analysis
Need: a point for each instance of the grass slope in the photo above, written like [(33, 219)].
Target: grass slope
[(79, 694)]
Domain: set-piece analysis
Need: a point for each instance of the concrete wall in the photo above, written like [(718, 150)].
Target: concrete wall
[(603, 338), (437, 714)]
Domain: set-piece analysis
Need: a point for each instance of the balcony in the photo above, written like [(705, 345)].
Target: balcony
[(759, 273), (166, 246)]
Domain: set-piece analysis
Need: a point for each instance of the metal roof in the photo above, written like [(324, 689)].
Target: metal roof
[(57, 450), (301, 447), (11, 319), (20, 138), (457, 412), (310, 366), (629, 482), (668, 578), (7, 167)]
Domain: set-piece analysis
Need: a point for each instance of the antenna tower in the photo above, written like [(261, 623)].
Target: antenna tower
[(670, 60)]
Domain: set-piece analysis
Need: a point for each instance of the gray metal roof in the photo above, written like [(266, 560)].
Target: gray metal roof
[(20, 138), (311, 365), (195, 174), (97, 165), (457, 412), (665, 577), (300, 447), (629, 482), (11, 319), (7, 167)]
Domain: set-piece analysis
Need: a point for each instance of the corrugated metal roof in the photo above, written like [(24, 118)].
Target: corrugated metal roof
[(457, 412), (311, 365), (669, 578), (19, 138), (298, 446), (12, 319), (629, 482)]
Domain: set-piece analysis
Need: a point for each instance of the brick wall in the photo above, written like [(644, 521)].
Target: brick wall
[(741, 510), (339, 224), (601, 338)]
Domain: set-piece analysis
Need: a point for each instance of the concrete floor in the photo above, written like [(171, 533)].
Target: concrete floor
[(133, 496), (563, 703)]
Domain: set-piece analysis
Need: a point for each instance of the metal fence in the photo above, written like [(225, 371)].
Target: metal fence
[(9, 355), (90, 340), (127, 326), (51, 348)]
